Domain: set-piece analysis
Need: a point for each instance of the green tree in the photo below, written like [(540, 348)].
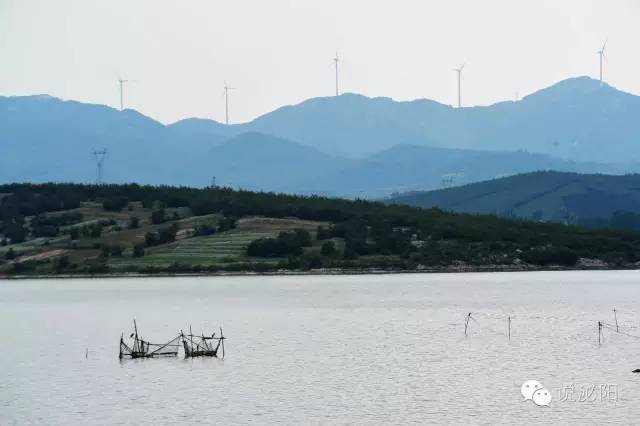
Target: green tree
[(74, 233), (61, 264), (158, 216), (323, 233), (114, 203), (134, 222), (95, 231), (328, 248), (10, 254), (205, 229), (304, 238), (15, 232), (138, 250)]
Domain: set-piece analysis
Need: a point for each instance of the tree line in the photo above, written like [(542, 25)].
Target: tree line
[(369, 229)]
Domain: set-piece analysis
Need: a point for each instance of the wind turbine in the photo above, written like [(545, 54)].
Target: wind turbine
[(459, 71), (601, 55), (226, 101), (122, 82)]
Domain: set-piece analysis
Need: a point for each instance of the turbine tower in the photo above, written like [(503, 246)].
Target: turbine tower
[(459, 71), (122, 82), (226, 102), (335, 61), (100, 157), (601, 55)]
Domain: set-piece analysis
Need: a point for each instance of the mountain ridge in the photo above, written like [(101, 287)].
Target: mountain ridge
[(542, 195), (43, 138)]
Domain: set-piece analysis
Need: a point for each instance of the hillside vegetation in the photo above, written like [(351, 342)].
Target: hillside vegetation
[(84, 229), (587, 200)]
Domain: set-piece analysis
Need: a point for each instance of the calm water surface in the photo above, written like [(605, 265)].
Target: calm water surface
[(324, 350)]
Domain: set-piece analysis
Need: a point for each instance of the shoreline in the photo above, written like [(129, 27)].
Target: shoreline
[(317, 272)]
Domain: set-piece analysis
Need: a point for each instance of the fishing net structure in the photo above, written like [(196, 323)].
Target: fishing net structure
[(140, 348), (202, 345), (193, 345)]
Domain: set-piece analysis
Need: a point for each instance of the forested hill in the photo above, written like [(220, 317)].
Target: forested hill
[(76, 229), (586, 199)]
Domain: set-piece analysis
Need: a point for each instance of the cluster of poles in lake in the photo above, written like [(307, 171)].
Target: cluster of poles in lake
[(193, 345), (602, 325), (213, 346)]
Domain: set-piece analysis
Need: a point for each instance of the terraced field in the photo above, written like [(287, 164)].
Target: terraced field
[(223, 247)]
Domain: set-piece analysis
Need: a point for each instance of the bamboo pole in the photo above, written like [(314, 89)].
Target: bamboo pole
[(466, 323), (599, 332)]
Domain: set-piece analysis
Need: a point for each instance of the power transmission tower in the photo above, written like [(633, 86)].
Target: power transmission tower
[(100, 157)]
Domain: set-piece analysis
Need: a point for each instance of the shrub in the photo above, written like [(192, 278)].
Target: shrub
[(304, 238), (114, 204), (138, 250), (134, 222), (10, 254), (74, 233), (163, 236), (95, 231), (323, 233), (15, 232), (551, 256), (328, 248), (205, 230), (226, 223), (61, 264), (267, 247), (158, 216), (45, 231)]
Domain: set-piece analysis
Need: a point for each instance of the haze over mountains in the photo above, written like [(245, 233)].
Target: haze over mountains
[(547, 196), (349, 145)]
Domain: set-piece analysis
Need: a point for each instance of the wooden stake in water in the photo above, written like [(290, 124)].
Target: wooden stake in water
[(615, 316), (509, 327), (599, 332), (466, 323)]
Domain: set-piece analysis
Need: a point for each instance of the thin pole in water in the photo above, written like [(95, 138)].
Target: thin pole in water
[(599, 332), (509, 327), (466, 323), (615, 316)]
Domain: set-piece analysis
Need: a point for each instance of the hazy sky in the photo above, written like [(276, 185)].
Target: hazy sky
[(279, 52)]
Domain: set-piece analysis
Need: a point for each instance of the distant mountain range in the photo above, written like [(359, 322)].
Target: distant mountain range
[(549, 196), (348, 145), (572, 119)]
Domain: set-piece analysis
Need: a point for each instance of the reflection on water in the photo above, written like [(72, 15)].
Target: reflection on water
[(323, 350)]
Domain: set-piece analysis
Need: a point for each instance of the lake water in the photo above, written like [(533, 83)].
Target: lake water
[(383, 349)]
